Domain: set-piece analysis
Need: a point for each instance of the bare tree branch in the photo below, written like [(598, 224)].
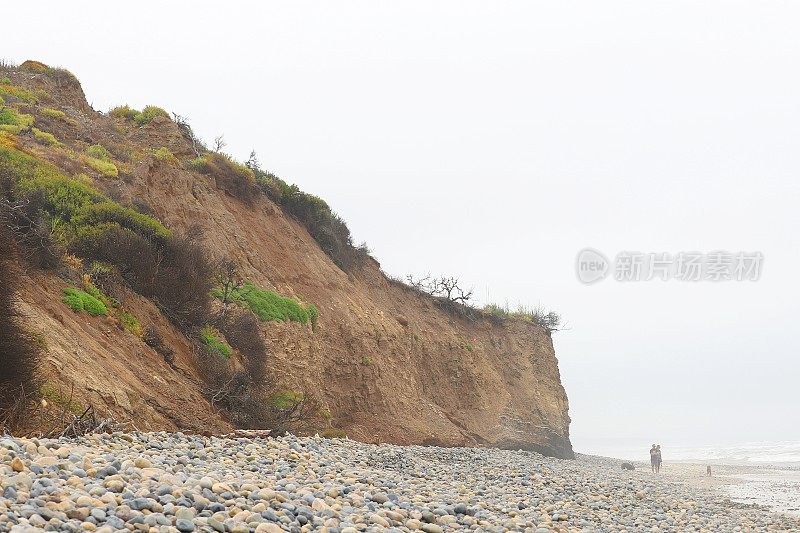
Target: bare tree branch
[(444, 287), (219, 143), (188, 133), (227, 276)]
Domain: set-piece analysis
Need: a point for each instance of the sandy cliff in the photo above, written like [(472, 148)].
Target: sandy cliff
[(388, 363)]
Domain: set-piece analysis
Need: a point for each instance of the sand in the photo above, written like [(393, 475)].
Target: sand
[(774, 486)]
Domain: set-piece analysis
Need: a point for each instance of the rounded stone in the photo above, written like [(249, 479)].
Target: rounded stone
[(184, 526)]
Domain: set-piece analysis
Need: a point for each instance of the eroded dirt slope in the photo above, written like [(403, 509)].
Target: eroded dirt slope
[(388, 362)]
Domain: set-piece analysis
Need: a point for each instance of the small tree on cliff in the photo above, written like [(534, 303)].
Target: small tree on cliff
[(219, 143), (188, 133), (229, 280), (253, 163), (443, 287), (549, 320)]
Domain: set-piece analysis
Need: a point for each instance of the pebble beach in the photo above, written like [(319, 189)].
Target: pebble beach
[(170, 482)]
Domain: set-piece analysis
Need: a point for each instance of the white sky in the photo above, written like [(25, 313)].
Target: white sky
[(493, 141)]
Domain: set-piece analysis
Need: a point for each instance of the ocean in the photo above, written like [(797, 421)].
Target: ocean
[(776, 453), (786, 453)]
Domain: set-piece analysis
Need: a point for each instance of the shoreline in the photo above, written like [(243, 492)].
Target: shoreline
[(775, 487)]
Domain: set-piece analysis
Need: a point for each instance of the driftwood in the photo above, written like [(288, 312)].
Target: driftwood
[(248, 434), (87, 422)]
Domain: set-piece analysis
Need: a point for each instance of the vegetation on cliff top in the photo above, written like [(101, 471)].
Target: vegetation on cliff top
[(448, 293), (143, 117), (243, 181), (549, 320), (232, 177), (325, 226)]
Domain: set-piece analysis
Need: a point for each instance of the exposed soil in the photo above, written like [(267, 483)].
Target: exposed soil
[(388, 362)]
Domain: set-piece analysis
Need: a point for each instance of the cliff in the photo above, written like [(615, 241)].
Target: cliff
[(388, 363)]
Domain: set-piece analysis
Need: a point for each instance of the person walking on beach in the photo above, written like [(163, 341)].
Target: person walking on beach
[(653, 458), (658, 459)]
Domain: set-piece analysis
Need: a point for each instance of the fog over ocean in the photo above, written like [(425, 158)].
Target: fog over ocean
[(778, 453)]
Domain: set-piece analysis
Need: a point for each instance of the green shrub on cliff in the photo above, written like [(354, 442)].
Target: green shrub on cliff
[(108, 211), (496, 310), (61, 197), (268, 306), (313, 314), (13, 121), (72, 207), (210, 338), (79, 300), (61, 214), (148, 114), (45, 137), (124, 112), (98, 151), (131, 324), (145, 116), (222, 165), (286, 400), (53, 113), (105, 168), (18, 92), (99, 158), (165, 155)]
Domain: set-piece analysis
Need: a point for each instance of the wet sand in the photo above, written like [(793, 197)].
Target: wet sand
[(774, 486)]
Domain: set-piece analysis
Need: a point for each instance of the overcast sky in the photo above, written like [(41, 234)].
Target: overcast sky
[(495, 140)]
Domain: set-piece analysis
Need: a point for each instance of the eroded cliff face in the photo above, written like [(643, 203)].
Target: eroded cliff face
[(388, 363)]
